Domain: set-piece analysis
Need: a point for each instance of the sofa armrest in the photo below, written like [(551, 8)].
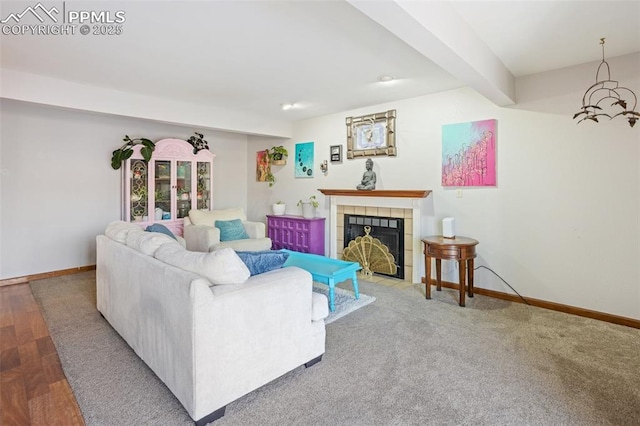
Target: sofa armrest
[(254, 229), (200, 237)]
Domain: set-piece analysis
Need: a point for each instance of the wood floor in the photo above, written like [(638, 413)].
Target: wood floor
[(33, 387)]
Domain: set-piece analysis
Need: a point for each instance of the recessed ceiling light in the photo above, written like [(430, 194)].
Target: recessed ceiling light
[(287, 106), (385, 78)]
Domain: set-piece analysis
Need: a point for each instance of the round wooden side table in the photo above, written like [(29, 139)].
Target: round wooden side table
[(462, 249)]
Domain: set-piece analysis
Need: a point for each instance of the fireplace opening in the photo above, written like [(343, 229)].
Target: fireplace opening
[(389, 230)]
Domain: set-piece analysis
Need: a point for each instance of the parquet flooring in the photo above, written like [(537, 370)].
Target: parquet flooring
[(33, 387)]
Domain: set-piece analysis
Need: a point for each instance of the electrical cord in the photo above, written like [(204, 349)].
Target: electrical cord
[(496, 274)]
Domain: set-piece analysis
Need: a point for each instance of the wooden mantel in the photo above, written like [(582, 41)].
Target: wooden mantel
[(400, 193)]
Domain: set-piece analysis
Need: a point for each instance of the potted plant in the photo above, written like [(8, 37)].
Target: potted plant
[(126, 151), (270, 178), (183, 193), (278, 155), (278, 208), (309, 207), (198, 142)]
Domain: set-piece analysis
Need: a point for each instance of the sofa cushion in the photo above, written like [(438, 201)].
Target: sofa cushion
[(209, 217), (148, 242), (219, 267), (119, 229), (259, 262), (158, 227), (231, 230)]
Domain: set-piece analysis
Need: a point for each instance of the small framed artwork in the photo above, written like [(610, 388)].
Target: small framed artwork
[(335, 153), (304, 160), (373, 134)]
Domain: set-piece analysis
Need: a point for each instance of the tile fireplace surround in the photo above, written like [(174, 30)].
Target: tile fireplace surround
[(415, 206)]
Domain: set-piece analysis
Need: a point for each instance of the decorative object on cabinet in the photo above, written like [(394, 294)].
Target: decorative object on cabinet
[(165, 188), (278, 208), (607, 89), (126, 151), (304, 160), (309, 207), (335, 152), (183, 193), (469, 154), (278, 155), (373, 134), (198, 142), (297, 233)]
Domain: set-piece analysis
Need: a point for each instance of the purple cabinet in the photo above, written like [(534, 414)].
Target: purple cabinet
[(297, 233)]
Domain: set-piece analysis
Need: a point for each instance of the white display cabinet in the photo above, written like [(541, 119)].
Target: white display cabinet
[(164, 190)]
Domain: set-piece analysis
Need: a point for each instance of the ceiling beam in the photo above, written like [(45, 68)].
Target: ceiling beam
[(39, 89), (438, 32)]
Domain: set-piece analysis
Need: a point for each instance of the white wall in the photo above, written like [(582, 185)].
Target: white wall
[(58, 190), (562, 224)]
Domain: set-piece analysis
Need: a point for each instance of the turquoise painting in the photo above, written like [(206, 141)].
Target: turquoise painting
[(304, 160)]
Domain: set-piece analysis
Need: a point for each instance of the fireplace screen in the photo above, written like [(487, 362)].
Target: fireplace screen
[(376, 242)]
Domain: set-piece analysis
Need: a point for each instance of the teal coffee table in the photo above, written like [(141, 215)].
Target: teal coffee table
[(326, 270)]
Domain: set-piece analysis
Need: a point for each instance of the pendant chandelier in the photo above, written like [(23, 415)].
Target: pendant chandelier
[(595, 102)]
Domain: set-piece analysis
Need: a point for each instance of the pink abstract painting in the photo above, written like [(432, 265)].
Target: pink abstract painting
[(469, 154)]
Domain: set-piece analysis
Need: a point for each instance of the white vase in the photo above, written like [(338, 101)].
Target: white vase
[(308, 211), (278, 209)]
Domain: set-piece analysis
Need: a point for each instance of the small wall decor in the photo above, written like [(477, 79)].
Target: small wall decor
[(263, 168), (335, 152), (372, 134), (469, 154), (304, 160)]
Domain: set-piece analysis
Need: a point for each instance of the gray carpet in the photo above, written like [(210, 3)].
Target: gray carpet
[(402, 360)]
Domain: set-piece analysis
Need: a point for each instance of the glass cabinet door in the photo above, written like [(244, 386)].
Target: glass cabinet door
[(139, 197), (162, 192), (203, 190), (184, 187)]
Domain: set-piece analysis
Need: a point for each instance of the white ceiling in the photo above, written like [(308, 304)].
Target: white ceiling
[(325, 56)]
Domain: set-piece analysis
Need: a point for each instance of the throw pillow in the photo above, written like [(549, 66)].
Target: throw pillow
[(260, 262), (231, 230), (219, 267), (158, 227)]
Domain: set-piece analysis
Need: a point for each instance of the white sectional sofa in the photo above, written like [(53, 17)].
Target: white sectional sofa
[(209, 343)]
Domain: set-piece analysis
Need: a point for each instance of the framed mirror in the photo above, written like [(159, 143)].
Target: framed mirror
[(371, 135)]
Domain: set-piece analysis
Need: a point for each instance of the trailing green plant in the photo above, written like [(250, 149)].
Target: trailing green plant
[(270, 178), (277, 153), (198, 142), (126, 151), (312, 200)]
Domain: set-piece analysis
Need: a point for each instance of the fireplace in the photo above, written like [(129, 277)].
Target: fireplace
[(389, 231), (415, 207)]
